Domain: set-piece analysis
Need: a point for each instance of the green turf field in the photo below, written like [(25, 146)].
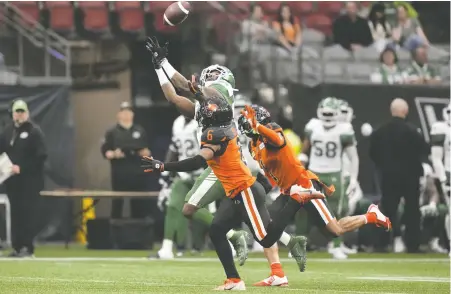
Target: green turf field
[(56, 270)]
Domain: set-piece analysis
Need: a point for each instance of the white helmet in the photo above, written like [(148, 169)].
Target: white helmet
[(447, 114), (216, 72), (328, 111), (346, 111)]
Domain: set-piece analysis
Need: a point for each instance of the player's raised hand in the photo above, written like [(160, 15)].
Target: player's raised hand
[(158, 53), (249, 113), (150, 164)]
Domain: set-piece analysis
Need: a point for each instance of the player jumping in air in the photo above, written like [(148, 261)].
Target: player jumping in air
[(270, 148), (207, 188)]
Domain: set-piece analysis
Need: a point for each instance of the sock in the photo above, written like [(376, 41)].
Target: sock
[(285, 239), (167, 245), (337, 242), (204, 216), (171, 222), (371, 218), (276, 270), (224, 252), (230, 234)]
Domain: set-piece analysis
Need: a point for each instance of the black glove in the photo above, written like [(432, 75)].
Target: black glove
[(158, 53), (150, 164), (264, 182)]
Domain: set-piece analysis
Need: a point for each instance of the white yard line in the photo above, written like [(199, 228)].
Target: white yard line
[(405, 279), (87, 281), (213, 259)]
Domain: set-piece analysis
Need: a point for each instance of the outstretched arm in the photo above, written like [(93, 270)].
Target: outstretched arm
[(179, 81), (273, 137), (183, 104)]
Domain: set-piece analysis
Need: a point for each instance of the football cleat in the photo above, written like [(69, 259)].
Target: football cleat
[(381, 219), (165, 255), (298, 249), (398, 246), (347, 250), (239, 243), (337, 253), (230, 285), (273, 281)]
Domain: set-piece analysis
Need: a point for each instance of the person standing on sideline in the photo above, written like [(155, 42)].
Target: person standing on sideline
[(23, 142), (123, 146), (398, 150)]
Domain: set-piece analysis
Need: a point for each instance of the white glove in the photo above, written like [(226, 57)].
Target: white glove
[(163, 197), (353, 183), (429, 209)]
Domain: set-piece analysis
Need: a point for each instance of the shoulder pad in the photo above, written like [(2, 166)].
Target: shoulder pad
[(313, 123), (439, 128), (346, 128), (216, 136)]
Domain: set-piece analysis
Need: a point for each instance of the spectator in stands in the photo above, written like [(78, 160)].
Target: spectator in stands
[(379, 27), (288, 29), (420, 72), (255, 30), (389, 71), (408, 33), (350, 30)]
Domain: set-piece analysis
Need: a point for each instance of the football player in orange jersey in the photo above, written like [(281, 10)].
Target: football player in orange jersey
[(275, 156), (245, 201)]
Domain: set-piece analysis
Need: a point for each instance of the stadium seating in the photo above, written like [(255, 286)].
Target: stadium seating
[(366, 53), (30, 9), (270, 7), (320, 22), (301, 7), (330, 8), (159, 6), (131, 15), (312, 36), (96, 17), (61, 15)]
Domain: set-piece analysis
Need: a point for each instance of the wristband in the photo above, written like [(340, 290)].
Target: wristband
[(168, 68), (161, 76)]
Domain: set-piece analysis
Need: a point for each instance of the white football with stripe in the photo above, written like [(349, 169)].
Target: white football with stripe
[(176, 13)]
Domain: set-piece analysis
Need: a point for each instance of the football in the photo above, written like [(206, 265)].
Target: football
[(176, 13)]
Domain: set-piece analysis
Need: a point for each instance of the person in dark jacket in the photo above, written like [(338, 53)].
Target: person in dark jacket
[(398, 150), (23, 142), (124, 145), (350, 30)]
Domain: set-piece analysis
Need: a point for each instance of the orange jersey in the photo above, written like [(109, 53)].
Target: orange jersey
[(279, 162), (227, 165)]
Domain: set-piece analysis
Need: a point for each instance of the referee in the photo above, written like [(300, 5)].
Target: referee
[(123, 146), (398, 150)]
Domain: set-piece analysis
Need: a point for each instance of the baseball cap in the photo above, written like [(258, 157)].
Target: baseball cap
[(20, 105), (126, 105)]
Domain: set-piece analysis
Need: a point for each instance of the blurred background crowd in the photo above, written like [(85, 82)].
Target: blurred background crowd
[(75, 62)]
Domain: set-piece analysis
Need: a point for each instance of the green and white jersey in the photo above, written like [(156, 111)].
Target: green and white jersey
[(327, 145), (185, 143), (311, 125), (440, 137)]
